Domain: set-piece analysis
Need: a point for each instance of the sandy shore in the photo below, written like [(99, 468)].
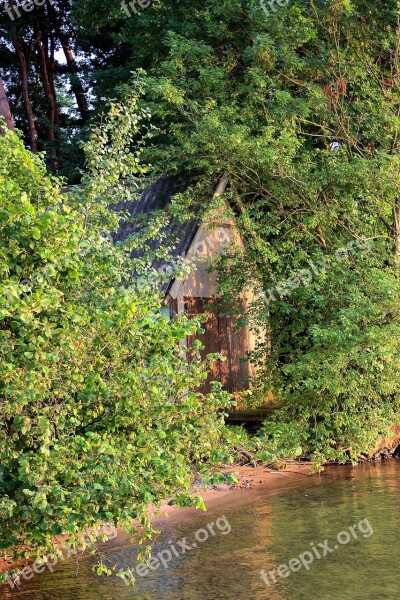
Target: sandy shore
[(250, 481)]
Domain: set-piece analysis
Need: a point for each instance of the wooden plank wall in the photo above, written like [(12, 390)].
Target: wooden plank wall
[(220, 336)]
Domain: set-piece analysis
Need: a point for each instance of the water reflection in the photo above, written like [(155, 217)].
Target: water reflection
[(267, 530)]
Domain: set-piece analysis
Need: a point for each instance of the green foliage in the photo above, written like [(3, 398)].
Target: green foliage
[(263, 99), (233, 437), (338, 382), (301, 109), (97, 419)]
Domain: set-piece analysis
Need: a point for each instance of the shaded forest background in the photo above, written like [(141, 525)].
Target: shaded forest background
[(58, 63)]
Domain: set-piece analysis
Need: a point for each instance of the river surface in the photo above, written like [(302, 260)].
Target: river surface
[(350, 518)]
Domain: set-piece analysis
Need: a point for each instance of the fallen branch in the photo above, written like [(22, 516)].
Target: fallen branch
[(248, 455)]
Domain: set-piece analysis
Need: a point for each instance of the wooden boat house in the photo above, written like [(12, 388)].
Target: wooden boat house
[(200, 241)]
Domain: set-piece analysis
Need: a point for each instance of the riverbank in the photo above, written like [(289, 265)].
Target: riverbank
[(268, 524), (252, 479), (253, 485), (248, 479)]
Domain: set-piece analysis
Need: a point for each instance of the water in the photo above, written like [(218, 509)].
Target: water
[(267, 529)]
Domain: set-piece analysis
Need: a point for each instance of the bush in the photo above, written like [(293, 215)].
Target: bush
[(96, 419)]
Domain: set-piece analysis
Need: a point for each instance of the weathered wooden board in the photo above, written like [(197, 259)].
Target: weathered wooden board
[(220, 336)]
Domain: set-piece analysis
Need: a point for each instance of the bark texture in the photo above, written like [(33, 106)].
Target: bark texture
[(25, 88), (5, 108), (396, 232)]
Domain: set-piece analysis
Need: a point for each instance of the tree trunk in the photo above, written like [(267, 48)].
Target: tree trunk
[(50, 71), (51, 99), (73, 69), (396, 232), (5, 108), (25, 88), (76, 84)]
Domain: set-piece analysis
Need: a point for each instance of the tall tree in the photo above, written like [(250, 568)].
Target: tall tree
[(25, 86), (44, 90), (65, 33), (5, 107), (301, 108)]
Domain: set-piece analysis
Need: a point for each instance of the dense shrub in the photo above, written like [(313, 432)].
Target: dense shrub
[(97, 419)]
